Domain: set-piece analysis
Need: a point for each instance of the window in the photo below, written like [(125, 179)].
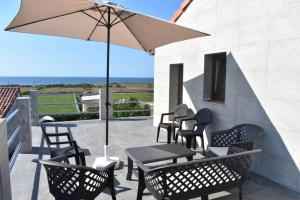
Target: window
[(176, 86), (215, 77)]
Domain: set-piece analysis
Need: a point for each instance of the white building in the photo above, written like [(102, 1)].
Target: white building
[(90, 102), (254, 80)]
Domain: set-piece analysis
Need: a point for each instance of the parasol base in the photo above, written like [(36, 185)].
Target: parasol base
[(102, 162)]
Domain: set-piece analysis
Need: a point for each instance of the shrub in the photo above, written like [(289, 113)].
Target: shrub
[(132, 105), (74, 117)]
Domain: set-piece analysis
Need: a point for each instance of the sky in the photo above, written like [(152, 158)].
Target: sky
[(34, 55)]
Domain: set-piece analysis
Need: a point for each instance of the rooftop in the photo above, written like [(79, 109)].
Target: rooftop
[(123, 134), (8, 96), (181, 9)]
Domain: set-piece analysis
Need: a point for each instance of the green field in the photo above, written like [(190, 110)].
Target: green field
[(69, 99), (58, 99), (140, 97)]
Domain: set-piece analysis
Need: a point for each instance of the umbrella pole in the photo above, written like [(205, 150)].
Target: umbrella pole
[(107, 104)]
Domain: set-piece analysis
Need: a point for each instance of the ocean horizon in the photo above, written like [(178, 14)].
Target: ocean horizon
[(23, 81)]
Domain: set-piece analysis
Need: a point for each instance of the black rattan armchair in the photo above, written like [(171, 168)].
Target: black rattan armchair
[(179, 113), (196, 129), (243, 136), (75, 182), (67, 147), (197, 178)]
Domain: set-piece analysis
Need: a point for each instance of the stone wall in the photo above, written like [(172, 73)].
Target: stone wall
[(262, 41)]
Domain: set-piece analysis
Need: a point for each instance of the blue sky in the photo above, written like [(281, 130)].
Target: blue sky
[(34, 55)]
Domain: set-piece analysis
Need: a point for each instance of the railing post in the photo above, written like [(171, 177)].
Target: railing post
[(5, 188), (23, 104), (102, 109), (34, 107)]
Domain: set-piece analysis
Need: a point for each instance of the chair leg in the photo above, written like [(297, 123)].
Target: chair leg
[(169, 131), (141, 186), (77, 159), (82, 159), (240, 192), (130, 168), (111, 185), (188, 142), (195, 142), (202, 145), (158, 130), (173, 132), (112, 192), (67, 161)]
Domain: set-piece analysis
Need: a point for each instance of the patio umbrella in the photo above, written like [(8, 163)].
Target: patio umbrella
[(98, 21)]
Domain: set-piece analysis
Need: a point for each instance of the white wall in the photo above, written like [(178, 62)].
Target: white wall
[(262, 39)]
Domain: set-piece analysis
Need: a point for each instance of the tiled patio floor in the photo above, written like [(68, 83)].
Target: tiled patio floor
[(29, 180)]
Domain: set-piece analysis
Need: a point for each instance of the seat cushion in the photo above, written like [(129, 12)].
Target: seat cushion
[(218, 151)]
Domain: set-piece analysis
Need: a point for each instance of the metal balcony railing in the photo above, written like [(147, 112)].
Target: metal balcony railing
[(15, 139)]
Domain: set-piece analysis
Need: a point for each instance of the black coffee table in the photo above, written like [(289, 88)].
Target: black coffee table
[(156, 153)]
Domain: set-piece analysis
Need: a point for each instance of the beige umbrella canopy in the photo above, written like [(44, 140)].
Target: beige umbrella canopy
[(88, 20), (103, 22)]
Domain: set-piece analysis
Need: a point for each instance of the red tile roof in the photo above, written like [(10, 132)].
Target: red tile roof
[(180, 11), (8, 96)]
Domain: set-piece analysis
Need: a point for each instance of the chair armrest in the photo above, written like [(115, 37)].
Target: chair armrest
[(179, 117), (196, 126), (56, 161), (163, 115), (72, 143), (184, 120)]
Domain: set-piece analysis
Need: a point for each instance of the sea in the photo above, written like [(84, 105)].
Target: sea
[(68, 80)]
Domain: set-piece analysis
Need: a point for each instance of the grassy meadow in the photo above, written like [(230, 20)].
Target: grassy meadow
[(65, 101), (59, 99)]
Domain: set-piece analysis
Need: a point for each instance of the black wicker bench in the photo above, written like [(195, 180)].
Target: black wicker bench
[(76, 182), (244, 136), (197, 178)]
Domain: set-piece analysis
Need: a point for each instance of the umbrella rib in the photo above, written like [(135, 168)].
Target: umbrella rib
[(123, 20), (93, 30), (117, 16), (102, 14), (98, 21), (41, 20), (94, 18)]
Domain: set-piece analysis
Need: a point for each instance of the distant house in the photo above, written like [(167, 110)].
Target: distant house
[(90, 103), (246, 71), (8, 96)]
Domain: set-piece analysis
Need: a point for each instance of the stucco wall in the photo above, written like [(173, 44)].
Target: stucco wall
[(262, 39)]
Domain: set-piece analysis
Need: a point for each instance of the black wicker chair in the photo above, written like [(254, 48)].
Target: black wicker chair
[(197, 178), (243, 136), (55, 144), (179, 113), (195, 128), (75, 182)]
